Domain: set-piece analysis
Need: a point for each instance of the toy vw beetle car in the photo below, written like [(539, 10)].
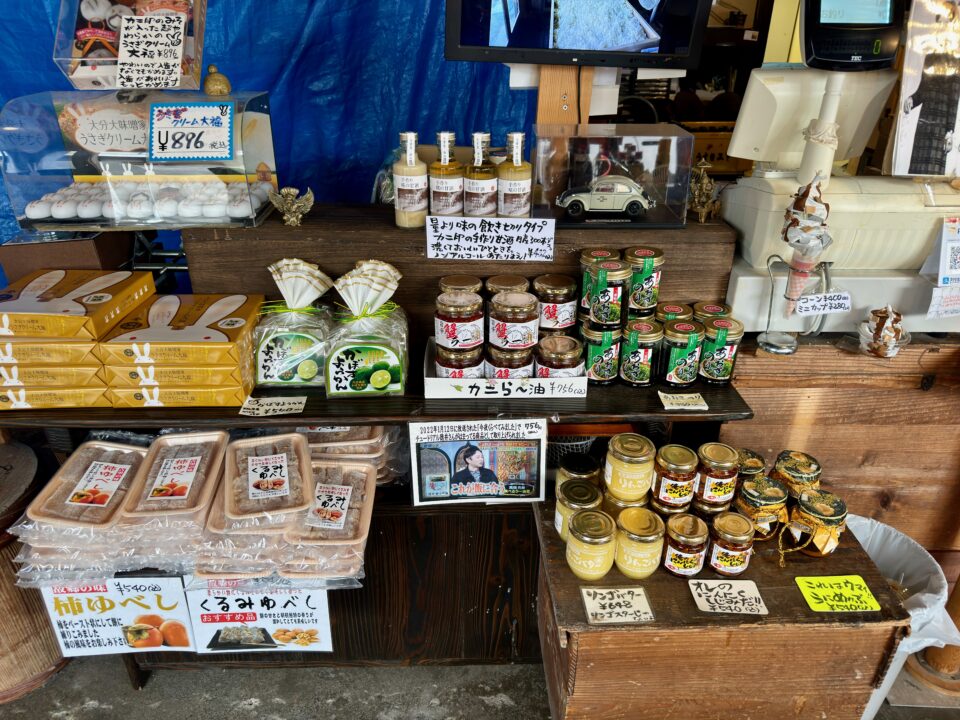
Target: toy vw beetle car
[(612, 193)]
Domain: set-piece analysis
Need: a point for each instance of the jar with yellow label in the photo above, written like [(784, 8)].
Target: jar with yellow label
[(798, 471), (764, 501), (639, 543), (674, 478), (817, 522), (572, 497), (667, 311), (732, 535), (629, 467), (613, 506), (718, 469), (578, 466), (703, 311), (686, 546), (592, 545)]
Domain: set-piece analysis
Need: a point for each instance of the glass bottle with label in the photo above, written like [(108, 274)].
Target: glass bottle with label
[(446, 178), (609, 291), (682, 340), (589, 258), (560, 357), (639, 543), (613, 506), (458, 321), (647, 265), (732, 535), (686, 546), (480, 180), (509, 364), (515, 180), (719, 466), (629, 467), (572, 497), (602, 350), (514, 320), (817, 522), (558, 301), (703, 311), (667, 311), (591, 545), (640, 356), (506, 283), (578, 466), (674, 478), (410, 185), (457, 364), (463, 283), (721, 344)]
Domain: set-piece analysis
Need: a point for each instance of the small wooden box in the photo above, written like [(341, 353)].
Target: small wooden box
[(792, 663)]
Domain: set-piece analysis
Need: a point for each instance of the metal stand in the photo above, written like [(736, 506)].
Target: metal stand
[(776, 342)]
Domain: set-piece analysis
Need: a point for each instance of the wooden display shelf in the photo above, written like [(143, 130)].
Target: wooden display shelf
[(686, 663)]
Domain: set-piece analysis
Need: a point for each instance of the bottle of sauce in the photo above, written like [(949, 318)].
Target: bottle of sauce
[(446, 179), (410, 184), (515, 180), (480, 180)]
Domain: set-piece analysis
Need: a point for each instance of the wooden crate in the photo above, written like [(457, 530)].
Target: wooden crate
[(792, 663)]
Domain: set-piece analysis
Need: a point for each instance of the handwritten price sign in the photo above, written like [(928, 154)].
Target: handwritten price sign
[(838, 593), (191, 132), (505, 239), (825, 304), (616, 606)]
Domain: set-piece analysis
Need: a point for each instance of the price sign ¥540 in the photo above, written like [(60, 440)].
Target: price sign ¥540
[(191, 132)]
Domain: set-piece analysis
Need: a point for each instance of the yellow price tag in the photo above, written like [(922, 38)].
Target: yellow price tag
[(838, 593)]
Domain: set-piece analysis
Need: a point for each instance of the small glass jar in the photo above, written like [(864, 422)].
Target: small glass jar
[(572, 497), (588, 258), (508, 364), (764, 501), (602, 351), (613, 506), (721, 344), (592, 545), (559, 357), (817, 522), (506, 283), (667, 311), (461, 283), (719, 469), (460, 364), (708, 512), (751, 464), (647, 266), (558, 301), (674, 478), (628, 471), (681, 348), (514, 320), (640, 355), (578, 466), (703, 311), (686, 546), (732, 535), (458, 321), (568, 332), (639, 543), (798, 471), (609, 290)]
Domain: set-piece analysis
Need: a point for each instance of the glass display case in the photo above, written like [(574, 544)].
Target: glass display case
[(88, 161)]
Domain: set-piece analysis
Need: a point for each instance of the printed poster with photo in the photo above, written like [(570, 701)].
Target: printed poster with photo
[(479, 461)]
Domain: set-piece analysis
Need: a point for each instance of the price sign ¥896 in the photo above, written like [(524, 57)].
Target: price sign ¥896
[(191, 132)]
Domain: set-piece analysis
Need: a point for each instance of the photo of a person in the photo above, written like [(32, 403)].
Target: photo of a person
[(474, 470)]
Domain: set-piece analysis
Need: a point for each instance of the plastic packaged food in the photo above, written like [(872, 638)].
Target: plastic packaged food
[(48, 376), (320, 525), (167, 376), (329, 435), (40, 351), (269, 475), (224, 396)]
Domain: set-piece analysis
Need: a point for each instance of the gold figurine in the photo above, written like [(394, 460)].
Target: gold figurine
[(293, 207), (215, 83), (702, 187)]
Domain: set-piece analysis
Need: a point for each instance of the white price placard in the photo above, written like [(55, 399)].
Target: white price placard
[(824, 304), (685, 401), (497, 239), (191, 131), (151, 51), (943, 264), (945, 303), (265, 406), (616, 606), (736, 597)]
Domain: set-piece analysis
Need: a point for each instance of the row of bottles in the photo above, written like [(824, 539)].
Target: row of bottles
[(479, 189)]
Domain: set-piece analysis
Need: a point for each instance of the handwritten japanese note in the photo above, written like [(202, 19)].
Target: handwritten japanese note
[(524, 388), (503, 239), (687, 401), (735, 597), (824, 304), (263, 406), (945, 303), (199, 131), (151, 50), (616, 606), (838, 593)]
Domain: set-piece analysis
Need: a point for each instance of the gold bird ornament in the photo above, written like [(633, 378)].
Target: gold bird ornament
[(293, 207)]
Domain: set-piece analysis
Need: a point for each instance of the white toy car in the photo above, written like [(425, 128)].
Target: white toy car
[(612, 193)]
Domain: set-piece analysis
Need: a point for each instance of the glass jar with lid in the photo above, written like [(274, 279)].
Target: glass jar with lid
[(602, 351), (719, 469), (514, 320), (707, 512), (681, 348), (721, 344), (508, 364), (628, 470), (667, 311), (639, 358), (458, 321), (798, 471), (591, 545), (703, 311), (647, 266), (732, 535), (609, 290), (559, 357), (572, 497), (506, 283), (674, 478), (460, 283), (817, 522), (578, 466), (588, 258), (460, 364), (639, 543), (613, 506), (558, 301), (764, 501), (751, 464), (686, 546)]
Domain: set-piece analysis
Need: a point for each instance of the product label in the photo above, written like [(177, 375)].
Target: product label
[(267, 477), (458, 335), (175, 478), (682, 363), (514, 335), (99, 484), (446, 195), (637, 366), (411, 192), (589, 560), (330, 506), (556, 316), (515, 198), (627, 481), (645, 289), (549, 372), (364, 370), (638, 558), (470, 373), (606, 305), (294, 358), (436, 486), (603, 361), (558, 521), (732, 562), (718, 360), (718, 490), (497, 373), (675, 492), (683, 563), (480, 197)]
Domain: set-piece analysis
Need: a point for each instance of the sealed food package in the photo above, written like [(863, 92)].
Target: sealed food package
[(73, 376), (37, 398), (324, 435), (166, 376), (342, 506), (268, 476), (48, 352), (222, 396)]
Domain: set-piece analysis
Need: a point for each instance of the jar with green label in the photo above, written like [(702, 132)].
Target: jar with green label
[(589, 258), (640, 355), (667, 311), (703, 311), (681, 348), (722, 337), (647, 265), (609, 290), (602, 353)]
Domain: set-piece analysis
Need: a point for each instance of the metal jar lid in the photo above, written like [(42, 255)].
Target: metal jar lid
[(616, 270), (799, 466), (761, 491), (579, 466), (579, 495), (719, 456), (609, 499), (507, 283), (667, 311), (554, 285), (632, 448), (687, 529), (514, 303), (734, 528), (592, 527), (682, 330), (503, 357), (751, 462), (677, 458), (713, 326), (648, 331), (465, 357), (595, 255), (704, 310), (825, 507), (459, 303), (641, 525), (639, 254), (463, 283), (560, 348), (595, 335)]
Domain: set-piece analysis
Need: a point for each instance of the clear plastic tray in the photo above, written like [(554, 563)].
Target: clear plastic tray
[(303, 534), (283, 505)]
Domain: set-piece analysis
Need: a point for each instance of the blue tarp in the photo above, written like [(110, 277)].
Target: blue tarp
[(345, 77)]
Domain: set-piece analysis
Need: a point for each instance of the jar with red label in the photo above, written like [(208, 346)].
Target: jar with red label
[(732, 535), (558, 301), (509, 364), (506, 283), (560, 357), (514, 321), (667, 311), (674, 478), (461, 283), (589, 258), (721, 344), (719, 468), (647, 265), (686, 546), (466, 364), (458, 322), (703, 311), (609, 291)]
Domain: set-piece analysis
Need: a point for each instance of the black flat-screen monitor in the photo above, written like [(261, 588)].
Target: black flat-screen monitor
[(620, 33)]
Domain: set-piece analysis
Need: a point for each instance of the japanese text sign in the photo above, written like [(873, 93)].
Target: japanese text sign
[(944, 303), (264, 406), (616, 606), (837, 593), (685, 401), (498, 239), (187, 132), (824, 304), (151, 51), (737, 597)]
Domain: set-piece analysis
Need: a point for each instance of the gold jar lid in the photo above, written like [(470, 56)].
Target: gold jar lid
[(579, 495), (511, 358), (593, 527), (560, 348), (713, 326), (579, 466), (459, 303), (463, 283), (621, 505), (632, 448), (595, 255), (554, 285), (704, 310), (798, 466), (514, 302), (761, 491), (666, 511), (702, 508), (639, 254), (824, 506), (681, 330), (461, 356), (734, 527), (641, 525), (507, 283), (751, 462), (667, 311), (687, 529), (677, 458), (616, 270), (596, 335), (719, 456), (648, 331)]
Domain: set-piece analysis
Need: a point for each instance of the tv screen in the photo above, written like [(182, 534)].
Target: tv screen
[(623, 33)]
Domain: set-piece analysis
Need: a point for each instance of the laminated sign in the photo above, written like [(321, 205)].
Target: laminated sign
[(191, 131)]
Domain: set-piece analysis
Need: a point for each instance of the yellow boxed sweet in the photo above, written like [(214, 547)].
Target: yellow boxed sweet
[(51, 376), (175, 375), (38, 398), (83, 304), (44, 351), (224, 396), (185, 330)]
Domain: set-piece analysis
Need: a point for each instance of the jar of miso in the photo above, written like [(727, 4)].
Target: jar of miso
[(686, 546), (572, 497), (674, 478), (732, 535), (591, 545), (639, 543)]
